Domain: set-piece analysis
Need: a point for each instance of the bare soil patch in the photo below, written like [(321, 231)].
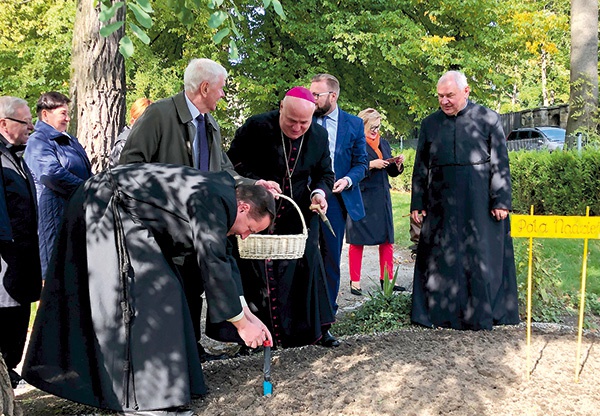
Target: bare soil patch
[(410, 372)]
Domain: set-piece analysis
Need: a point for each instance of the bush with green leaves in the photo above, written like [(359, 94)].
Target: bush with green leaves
[(548, 301), (557, 183), (385, 310), (402, 182)]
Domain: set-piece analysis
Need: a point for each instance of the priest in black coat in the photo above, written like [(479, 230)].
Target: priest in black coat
[(113, 329), (461, 191), (286, 147)]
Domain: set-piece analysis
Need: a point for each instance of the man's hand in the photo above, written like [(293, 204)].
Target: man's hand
[(270, 186), (499, 213), (340, 185), (416, 215), (252, 334), (254, 320), (319, 200)]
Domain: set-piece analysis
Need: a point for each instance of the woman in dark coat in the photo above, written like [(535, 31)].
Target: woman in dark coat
[(59, 165), (377, 227)]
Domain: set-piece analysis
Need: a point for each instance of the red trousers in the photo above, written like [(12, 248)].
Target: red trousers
[(386, 261)]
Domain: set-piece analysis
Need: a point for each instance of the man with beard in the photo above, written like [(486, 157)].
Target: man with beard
[(348, 150), (461, 193), (286, 147)]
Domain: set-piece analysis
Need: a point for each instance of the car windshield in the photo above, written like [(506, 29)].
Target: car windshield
[(556, 135)]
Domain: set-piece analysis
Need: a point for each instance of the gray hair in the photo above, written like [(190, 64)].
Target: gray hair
[(201, 70), (332, 82), (458, 77), (9, 105)]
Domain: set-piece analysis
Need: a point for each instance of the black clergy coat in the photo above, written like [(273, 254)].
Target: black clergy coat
[(377, 227), (125, 340), (464, 273), (290, 295)]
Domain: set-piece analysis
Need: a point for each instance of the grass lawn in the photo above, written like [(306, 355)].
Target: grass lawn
[(568, 253), (401, 208)]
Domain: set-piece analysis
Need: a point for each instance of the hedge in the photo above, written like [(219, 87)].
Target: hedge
[(557, 183)]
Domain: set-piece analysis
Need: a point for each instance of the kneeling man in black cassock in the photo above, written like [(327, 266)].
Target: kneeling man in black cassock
[(114, 329)]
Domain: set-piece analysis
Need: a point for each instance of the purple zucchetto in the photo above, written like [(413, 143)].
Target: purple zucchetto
[(301, 92)]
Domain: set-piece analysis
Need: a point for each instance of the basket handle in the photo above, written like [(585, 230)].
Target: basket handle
[(304, 229)]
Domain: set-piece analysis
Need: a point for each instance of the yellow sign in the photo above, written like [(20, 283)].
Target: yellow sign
[(554, 226)]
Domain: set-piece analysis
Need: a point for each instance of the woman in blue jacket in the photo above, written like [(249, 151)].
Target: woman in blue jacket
[(59, 165), (377, 227)]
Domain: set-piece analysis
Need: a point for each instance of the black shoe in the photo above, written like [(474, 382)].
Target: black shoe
[(355, 291), (396, 288), (329, 341), (246, 351), (207, 356), (15, 378), (164, 412)]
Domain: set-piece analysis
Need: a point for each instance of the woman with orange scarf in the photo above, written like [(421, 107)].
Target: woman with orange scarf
[(377, 227)]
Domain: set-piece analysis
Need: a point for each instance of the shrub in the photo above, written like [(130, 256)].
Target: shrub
[(549, 303), (558, 183), (402, 182)]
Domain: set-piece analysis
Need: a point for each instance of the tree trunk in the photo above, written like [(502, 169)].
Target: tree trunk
[(583, 100), (97, 84), (544, 78), (8, 407)]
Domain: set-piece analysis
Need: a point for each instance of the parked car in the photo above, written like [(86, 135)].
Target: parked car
[(536, 138)]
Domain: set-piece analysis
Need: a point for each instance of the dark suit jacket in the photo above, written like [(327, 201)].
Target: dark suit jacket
[(351, 160), (165, 133), (20, 272)]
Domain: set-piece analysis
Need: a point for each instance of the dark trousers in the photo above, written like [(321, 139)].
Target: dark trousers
[(14, 322), (193, 288), (331, 247)]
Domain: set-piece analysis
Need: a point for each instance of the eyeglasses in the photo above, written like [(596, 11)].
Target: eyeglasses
[(375, 128), (25, 122), (318, 94)]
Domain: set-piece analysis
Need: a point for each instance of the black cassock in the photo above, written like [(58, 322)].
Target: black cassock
[(465, 271), (290, 295), (83, 348)]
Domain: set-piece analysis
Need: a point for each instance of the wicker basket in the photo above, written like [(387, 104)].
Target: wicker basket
[(275, 247)]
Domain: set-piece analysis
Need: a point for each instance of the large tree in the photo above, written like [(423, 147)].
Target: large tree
[(583, 102), (97, 83)]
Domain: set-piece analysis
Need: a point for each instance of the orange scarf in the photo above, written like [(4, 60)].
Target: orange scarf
[(374, 143)]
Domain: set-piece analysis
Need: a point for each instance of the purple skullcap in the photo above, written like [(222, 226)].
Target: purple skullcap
[(301, 92)]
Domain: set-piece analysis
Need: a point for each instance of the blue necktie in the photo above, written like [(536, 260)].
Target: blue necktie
[(324, 122), (201, 145)]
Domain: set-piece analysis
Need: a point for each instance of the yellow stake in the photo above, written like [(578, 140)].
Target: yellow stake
[(529, 290), (582, 301)]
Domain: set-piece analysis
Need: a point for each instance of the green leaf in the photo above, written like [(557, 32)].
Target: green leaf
[(217, 19), (218, 2), (233, 51), (141, 16), (218, 37), (278, 9), (139, 32), (145, 5), (266, 3), (107, 13), (110, 29), (126, 47)]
